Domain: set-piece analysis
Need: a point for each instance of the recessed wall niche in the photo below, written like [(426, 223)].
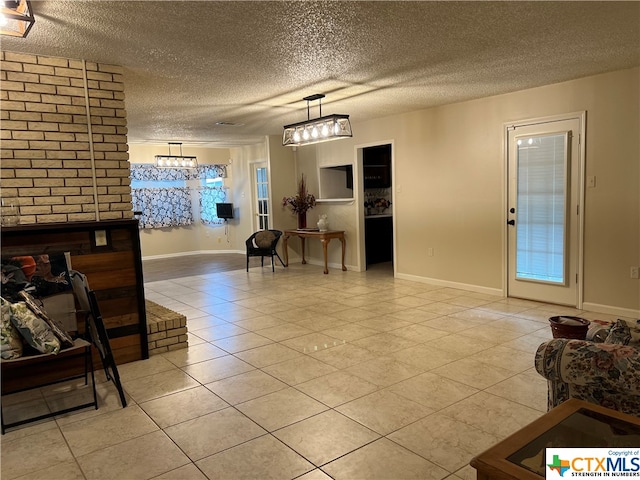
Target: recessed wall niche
[(336, 182)]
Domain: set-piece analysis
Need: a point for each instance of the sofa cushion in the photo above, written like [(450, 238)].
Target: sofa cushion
[(10, 339), (624, 332), (56, 327), (33, 329)]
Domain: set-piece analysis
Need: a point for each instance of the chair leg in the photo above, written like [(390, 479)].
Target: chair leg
[(116, 381), (247, 262), (262, 260), (276, 254), (273, 264)]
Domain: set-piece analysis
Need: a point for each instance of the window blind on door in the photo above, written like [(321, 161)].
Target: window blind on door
[(541, 208)]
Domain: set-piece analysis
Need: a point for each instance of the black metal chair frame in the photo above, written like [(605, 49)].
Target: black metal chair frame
[(95, 330), (255, 251), (97, 333)]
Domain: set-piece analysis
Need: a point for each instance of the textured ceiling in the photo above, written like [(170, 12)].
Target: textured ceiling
[(191, 64)]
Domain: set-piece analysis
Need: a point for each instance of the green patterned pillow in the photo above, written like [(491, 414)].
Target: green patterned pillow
[(10, 339), (624, 332), (56, 327), (33, 329)]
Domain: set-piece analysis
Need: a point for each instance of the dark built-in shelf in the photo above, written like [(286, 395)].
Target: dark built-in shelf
[(376, 165)]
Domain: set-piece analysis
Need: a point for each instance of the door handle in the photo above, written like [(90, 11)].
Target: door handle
[(511, 222)]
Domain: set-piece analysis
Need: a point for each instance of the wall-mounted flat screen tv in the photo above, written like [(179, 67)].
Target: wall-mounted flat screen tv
[(224, 210)]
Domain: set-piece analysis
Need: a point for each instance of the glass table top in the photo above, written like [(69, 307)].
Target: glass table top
[(584, 428)]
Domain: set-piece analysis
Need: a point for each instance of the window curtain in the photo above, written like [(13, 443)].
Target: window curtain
[(209, 196), (162, 207), (164, 199)]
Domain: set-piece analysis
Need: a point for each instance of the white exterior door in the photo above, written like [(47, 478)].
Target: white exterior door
[(261, 196), (544, 218)]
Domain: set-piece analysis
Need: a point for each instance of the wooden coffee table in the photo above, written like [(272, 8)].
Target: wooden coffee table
[(574, 423)]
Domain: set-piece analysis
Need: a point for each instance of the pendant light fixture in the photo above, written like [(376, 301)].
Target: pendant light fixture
[(16, 18), (316, 130), (176, 161)]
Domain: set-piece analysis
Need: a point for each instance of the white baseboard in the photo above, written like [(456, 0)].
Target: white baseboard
[(194, 252), (617, 311), (446, 283), (592, 307)]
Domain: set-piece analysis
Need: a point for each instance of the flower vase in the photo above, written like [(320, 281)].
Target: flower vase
[(302, 220), (323, 223)]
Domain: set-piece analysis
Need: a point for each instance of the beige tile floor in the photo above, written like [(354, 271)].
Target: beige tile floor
[(302, 375)]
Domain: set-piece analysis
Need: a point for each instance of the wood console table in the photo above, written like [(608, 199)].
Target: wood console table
[(325, 238)]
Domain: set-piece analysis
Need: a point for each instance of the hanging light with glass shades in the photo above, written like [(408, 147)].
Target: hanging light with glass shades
[(316, 130), (16, 18), (176, 161)]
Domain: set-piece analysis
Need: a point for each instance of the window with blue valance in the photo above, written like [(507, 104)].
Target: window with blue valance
[(149, 172), (167, 197)]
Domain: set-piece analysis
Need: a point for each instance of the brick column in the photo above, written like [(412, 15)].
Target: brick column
[(47, 159)]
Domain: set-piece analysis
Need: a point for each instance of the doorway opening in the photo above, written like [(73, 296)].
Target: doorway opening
[(378, 211)]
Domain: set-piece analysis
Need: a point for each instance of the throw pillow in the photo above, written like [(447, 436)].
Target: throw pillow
[(10, 339), (56, 327), (33, 329), (264, 239), (624, 332)]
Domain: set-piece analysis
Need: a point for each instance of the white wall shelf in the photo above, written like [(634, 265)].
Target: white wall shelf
[(335, 200)]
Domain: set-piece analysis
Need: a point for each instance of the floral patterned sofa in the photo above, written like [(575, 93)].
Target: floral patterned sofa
[(606, 373)]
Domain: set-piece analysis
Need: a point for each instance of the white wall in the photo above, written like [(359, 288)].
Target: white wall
[(449, 184), (282, 182)]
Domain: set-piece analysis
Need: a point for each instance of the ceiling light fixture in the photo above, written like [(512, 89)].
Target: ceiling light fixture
[(176, 161), (316, 130), (16, 18)]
